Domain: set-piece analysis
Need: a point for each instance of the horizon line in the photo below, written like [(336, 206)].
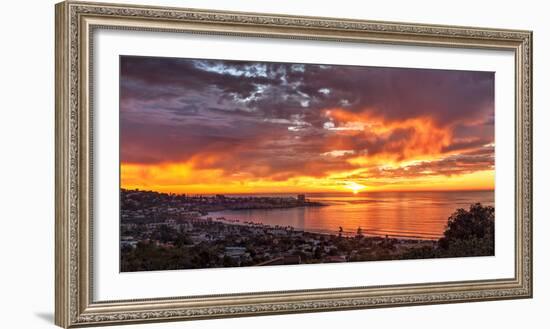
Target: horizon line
[(306, 193)]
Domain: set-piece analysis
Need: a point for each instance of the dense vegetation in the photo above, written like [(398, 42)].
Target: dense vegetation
[(469, 233)]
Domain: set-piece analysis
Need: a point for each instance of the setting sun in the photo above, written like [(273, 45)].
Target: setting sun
[(354, 187)]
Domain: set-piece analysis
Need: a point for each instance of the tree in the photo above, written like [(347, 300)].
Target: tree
[(228, 262), (182, 240), (317, 253), (165, 233), (469, 232)]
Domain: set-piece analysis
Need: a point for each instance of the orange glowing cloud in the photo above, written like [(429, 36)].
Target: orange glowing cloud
[(421, 137), (414, 160)]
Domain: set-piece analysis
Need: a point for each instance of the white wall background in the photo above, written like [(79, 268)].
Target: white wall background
[(27, 162)]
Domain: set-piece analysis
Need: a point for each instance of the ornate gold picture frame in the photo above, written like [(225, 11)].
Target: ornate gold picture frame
[(76, 22)]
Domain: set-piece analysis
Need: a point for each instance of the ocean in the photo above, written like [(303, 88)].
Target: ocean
[(421, 215)]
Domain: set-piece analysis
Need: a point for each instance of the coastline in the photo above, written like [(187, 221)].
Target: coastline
[(170, 232), (210, 243), (347, 234)]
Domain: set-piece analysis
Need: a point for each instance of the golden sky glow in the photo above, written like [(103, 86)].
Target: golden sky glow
[(178, 178)]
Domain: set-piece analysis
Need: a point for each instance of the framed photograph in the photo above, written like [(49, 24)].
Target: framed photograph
[(219, 164)]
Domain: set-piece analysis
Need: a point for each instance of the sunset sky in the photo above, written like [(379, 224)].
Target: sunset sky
[(214, 126)]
